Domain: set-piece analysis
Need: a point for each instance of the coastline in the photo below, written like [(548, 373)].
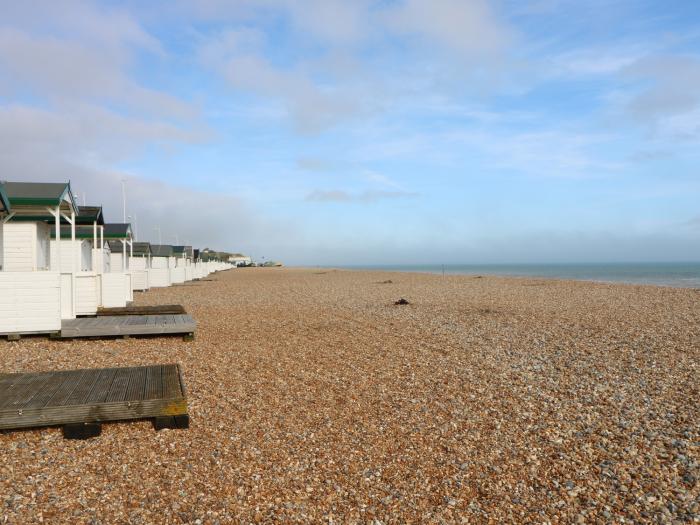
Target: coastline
[(676, 275), (313, 397)]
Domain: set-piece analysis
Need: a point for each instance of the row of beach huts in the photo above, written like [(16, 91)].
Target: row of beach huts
[(59, 260)]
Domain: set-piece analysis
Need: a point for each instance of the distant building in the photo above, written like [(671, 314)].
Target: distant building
[(239, 259)]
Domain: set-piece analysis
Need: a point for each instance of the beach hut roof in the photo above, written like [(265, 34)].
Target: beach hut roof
[(142, 248), (117, 231), (161, 250), (90, 215), (39, 193), (81, 232), (183, 250), (139, 248)]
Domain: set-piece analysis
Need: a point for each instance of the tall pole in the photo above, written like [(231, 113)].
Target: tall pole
[(124, 200), (160, 240)]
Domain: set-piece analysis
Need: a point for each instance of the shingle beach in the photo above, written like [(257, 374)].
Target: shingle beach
[(314, 398)]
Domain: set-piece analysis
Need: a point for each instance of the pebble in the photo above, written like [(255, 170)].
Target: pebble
[(499, 400)]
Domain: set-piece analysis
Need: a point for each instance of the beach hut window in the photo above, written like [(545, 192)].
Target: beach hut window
[(42, 246), (85, 256)]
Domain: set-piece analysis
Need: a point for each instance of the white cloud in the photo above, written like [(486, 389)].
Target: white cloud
[(65, 71), (86, 132), (469, 29), (543, 153), (365, 196), (670, 86)]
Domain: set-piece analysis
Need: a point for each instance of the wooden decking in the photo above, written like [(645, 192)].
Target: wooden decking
[(161, 309), (127, 325), (82, 399)]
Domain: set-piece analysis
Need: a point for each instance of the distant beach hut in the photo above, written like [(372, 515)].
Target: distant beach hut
[(161, 259), (140, 263), (200, 271), (117, 289), (34, 291), (183, 255), (177, 265)]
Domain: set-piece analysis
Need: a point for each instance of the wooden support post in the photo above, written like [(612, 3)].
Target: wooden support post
[(181, 421), (82, 430)]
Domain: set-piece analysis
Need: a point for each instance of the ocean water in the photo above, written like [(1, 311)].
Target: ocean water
[(682, 275)]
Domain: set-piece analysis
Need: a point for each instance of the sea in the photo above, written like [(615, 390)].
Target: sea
[(680, 275)]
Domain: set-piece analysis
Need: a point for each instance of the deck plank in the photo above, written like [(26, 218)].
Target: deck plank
[(91, 395), (137, 385), (128, 325)]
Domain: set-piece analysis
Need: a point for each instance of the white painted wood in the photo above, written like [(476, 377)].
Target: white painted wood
[(139, 280), (80, 251), (114, 293), (159, 262), (87, 293), (138, 263), (67, 296), (24, 246), (159, 277), (115, 262), (177, 275), (128, 286), (30, 302)]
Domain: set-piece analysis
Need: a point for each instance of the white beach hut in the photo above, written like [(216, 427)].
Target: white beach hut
[(198, 271), (138, 262), (75, 256), (32, 285), (161, 258), (183, 255), (177, 269), (117, 290)]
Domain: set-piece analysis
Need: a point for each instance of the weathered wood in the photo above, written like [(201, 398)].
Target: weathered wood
[(143, 310), (77, 397), (109, 326)]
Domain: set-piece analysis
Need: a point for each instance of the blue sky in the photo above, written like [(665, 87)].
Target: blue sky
[(351, 132)]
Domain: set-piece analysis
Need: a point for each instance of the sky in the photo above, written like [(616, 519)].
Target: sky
[(338, 132)]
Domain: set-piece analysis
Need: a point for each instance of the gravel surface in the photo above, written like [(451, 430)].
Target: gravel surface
[(314, 398)]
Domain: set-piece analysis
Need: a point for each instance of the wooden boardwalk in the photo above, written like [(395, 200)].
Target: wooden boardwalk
[(126, 325), (82, 399), (162, 309)]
